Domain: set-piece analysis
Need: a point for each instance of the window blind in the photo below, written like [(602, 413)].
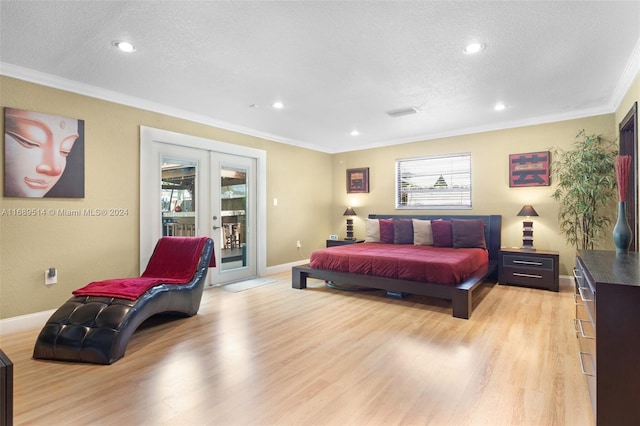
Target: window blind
[(434, 182)]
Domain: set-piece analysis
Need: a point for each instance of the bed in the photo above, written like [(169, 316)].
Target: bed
[(393, 263)]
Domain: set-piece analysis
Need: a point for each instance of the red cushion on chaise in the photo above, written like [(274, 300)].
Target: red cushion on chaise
[(172, 262)]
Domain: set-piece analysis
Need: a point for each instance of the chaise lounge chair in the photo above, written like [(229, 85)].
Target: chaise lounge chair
[(96, 323)]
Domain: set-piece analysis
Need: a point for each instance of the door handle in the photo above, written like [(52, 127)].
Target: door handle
[(215, 228)]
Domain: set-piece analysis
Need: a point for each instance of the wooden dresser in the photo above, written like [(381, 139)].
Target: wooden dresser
[(607, 325)]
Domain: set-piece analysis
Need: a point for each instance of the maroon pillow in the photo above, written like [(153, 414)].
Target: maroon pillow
[(468, 233), (386, 231), (442, 233), (402, 231)]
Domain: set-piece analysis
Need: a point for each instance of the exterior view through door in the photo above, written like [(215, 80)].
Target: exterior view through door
[(179, 208), (233, 217)]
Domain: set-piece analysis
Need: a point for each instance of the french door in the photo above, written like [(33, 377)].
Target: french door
[(233, 215), (196, 191)]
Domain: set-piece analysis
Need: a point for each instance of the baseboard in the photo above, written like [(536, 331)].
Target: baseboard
[(284, 267), (566, 280), (24, 322)]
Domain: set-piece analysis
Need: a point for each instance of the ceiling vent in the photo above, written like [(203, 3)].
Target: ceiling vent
[(403, 111)]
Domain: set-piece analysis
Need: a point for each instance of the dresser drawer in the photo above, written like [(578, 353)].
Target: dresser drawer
[(585, 294), (586, 334), (585, 328)]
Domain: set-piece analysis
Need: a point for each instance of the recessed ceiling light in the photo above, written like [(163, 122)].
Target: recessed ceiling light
[(278, 105), (125, 46), (472, 48), (355, 133), (499, 106)]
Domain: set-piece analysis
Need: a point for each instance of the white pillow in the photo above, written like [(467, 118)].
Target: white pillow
[(373, 231), (422, 232)]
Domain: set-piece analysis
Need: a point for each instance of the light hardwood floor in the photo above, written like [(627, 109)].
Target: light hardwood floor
[(274, 355)]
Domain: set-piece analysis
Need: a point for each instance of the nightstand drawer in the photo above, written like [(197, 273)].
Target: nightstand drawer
[(528, 277), (528, 262)]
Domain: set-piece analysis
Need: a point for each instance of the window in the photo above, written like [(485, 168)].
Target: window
[(436, 182)]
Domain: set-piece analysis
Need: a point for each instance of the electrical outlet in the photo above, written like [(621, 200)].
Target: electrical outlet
[(51, 276), (298, 244)]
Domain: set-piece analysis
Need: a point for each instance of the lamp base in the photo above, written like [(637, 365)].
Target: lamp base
[(350, 229), (527, 236)]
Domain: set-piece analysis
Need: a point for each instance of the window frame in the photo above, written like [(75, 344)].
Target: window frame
[(463, 177)]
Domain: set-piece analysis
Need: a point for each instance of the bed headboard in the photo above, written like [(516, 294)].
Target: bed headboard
[(492, 230)]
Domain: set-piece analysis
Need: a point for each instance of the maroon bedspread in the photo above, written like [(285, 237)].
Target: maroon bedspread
[(402, 261)]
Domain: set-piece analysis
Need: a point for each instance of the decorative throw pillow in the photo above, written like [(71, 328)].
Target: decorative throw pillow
[(402, 231), (386, 231), (468, 233), (442, 234), (373, 231), (422, 233)]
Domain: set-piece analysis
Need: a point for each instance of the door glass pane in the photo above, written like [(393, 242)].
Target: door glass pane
[(178, 198), (233, 202)]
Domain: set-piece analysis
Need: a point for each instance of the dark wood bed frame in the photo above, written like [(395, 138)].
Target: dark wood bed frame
[(460, 295)]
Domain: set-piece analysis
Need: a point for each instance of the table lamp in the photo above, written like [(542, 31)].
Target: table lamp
[(349, 212), (527, 227)]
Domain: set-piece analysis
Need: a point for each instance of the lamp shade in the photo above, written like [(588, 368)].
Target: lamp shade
[(350, 212), (528, 211)]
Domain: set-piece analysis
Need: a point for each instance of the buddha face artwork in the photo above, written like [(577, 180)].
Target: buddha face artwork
[(39, 149)]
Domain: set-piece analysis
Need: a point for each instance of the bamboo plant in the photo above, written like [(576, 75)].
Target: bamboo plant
[(585, 183)]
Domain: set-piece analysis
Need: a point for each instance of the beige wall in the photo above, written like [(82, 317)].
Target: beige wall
[(491, 192), (309, 186), (85, 249)]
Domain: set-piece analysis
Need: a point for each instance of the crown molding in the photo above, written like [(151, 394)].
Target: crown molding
[(56, 82), (627, 78)]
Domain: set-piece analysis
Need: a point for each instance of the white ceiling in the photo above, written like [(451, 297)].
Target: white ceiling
[(336, 65)]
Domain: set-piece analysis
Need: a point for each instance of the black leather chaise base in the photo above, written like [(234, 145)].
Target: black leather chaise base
[(97, 329)]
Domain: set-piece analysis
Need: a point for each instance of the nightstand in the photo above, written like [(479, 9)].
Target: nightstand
[(529, 268), (333, 243)]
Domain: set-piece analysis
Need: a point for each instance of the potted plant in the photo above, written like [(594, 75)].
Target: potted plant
[(585, 183)]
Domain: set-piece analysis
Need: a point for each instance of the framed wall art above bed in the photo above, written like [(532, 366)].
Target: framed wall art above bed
[(358, 180), (530, 169)]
